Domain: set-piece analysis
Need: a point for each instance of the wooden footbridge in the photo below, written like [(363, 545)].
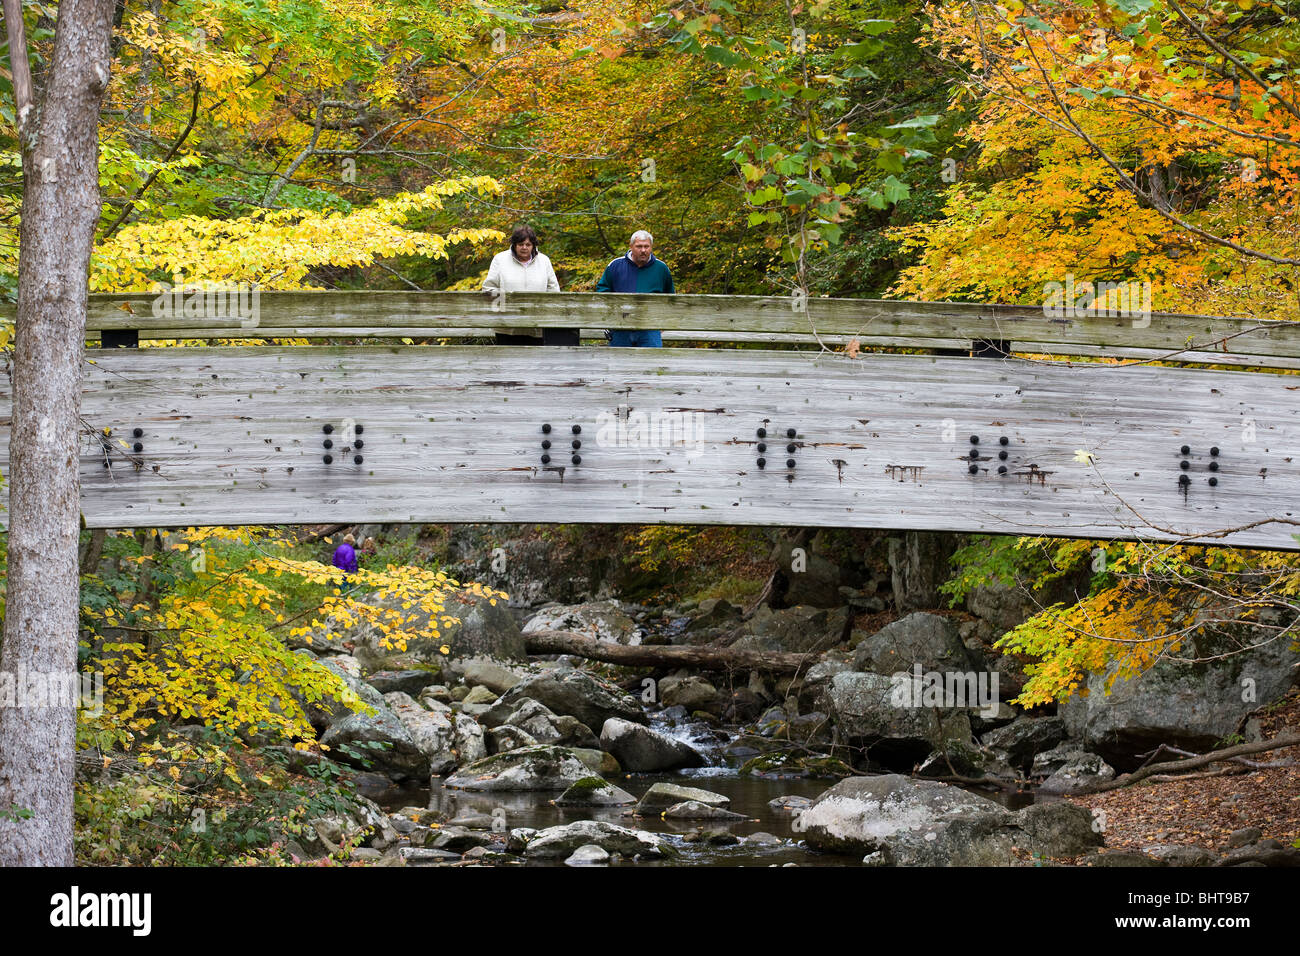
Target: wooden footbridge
[(772, 424)]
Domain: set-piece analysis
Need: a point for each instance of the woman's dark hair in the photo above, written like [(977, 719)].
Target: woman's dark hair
[(519, 235)]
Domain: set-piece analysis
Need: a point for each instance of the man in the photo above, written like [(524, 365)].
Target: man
[(637, 271)]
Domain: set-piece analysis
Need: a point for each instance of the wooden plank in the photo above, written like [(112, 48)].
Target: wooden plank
[(234, 436), (326, 314)]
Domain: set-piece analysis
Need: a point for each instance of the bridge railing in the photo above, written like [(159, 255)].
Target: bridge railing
[(742, 320)]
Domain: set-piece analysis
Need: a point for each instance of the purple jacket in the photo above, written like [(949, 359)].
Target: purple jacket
[(345, 557)]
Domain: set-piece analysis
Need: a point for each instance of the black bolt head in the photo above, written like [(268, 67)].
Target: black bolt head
[(762, 462), (791, 448), (358, 443), (576, 459), (577, 443), (328, 443), (1214, 482), (762, 446), (1214, 452), (329, 459), (1002, 469), (762, 433), (546, 443), (577, 429), (546, 429), (357, 459), (1214, 466), (789, 463), (138, 446), (359, 429), (137, 433), (1184, 480), (546, 459), (1184, 465), (973, 469), (328, 428), (1185, 450), (974, 455), (1002, 456), (790, 433), (974, 439), (1004, 440)]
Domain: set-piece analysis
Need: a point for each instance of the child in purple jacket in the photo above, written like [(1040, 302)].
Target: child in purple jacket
[(345, 557)]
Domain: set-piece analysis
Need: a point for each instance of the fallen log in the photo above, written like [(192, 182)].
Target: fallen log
[(1216, 756), (655, 655)]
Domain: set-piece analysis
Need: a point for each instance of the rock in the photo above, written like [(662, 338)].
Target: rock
[(1081, 771), (471, 821), (640, 749), (480, 629), (537, 720), (1126, 858), (800, 629), (796, 763), (661, 796), (380, 740), (863, 707), (1025, 737), (365, 854), (602, 620), (925, 639), (420, 856), (578, 694), (438, 693), (541, 767), (1049, 761), (598, 761), (408, 682), (1181, 855), (560, 841), (763, 838), (518, 838), (479, 695), (714, 612), (1243, 837), (459, 839), (588, 855), (789, 804), (495, 676), (693, 693), (694, 810), (918, 822), (433, 731), (470, 745), (594, 792), (966, 760), (507, 737), (1260, 855), (1192, 706)]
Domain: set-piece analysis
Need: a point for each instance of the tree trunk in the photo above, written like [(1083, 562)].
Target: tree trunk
[(59, 133), (653, 655)]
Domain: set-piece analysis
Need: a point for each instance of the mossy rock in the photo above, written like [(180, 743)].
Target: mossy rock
[(783, 763)]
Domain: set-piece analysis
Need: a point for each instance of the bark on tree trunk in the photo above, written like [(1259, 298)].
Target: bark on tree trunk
[(654, 655), (61, 205)]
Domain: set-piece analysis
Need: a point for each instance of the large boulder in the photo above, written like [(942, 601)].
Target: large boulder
[(379, 740), (467, 625), (898, 821), (1025, 737), (578, 694), (643, 750), (1193, 706), (867, 710), (799, 630), (693, 693), (602, 620), (594, 792), (1081, 771), (661, 796), (541, 767), (925, 639), (434, 731), (561, 841), (494, 675), (539, 722)]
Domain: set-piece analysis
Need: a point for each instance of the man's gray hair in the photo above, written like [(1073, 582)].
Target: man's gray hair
[(641, 234)]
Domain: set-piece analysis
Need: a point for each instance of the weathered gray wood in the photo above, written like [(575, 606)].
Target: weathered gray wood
[(233, 436), (873, 321)]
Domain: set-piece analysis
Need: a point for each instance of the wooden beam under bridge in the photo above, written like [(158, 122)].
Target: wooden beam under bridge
[(230, 436)]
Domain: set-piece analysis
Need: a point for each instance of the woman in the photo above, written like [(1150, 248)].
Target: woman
[(521, 268), (345, 558)]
